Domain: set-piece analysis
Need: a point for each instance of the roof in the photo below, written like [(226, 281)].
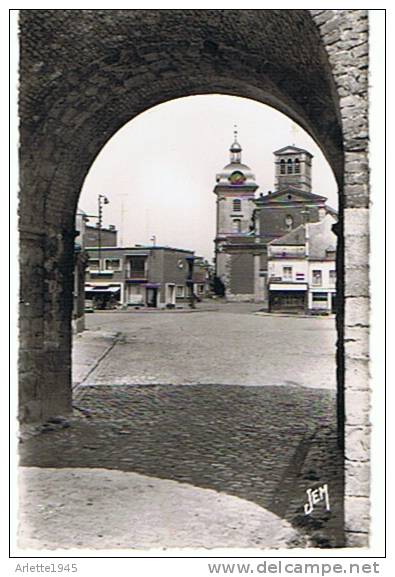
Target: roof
[(332, 211), (223, 176), (138, 248), (292, 150), (296, 237), (293, 191), (322, 239)]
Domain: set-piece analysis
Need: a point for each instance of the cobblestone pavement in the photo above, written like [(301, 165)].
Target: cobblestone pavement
[(225, 345)]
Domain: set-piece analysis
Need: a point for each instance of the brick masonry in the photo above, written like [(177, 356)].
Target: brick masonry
[(85, 73)]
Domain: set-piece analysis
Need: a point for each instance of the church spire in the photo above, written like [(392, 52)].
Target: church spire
[(235, 149)]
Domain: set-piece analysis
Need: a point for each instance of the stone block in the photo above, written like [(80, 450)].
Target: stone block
[(356, 250), (31, 411), (357, 514), (357, 443), (356, 220), (357, 477), (357, 407), (351, 190), (356, 311), (357, 374), (352, 101), (352, 178), (355, 143), (321, 17), (28, 385), (356, 281), (330, 25), (360, 51), (31, 360), (356, 342), (357, 539)]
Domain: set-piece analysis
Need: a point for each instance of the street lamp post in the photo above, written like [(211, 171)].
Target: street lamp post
[(101, 200)]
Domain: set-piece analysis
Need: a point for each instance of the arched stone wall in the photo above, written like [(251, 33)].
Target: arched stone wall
[(85, 73)]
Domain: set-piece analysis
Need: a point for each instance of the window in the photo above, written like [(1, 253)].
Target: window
[(297, 166), (112, 264), (236, 225), (317, 278), (137, 263), (320, 297), (289, 166), (200, 289), (289, 222), (287, 273), (282, 166), (136, 266), (93, 264), (332, 277), (180, 291), (237, 204)]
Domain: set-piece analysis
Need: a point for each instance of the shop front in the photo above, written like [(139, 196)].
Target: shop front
[(288, 297), (103, 296)]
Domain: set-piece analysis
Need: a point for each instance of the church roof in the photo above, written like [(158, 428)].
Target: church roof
[(292, 149), (244, 176), (293, 191), (229, 169)]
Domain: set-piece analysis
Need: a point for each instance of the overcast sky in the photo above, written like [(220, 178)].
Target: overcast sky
[(158, 171)]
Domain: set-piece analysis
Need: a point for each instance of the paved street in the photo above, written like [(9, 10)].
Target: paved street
[(225, 345), (264, 444)]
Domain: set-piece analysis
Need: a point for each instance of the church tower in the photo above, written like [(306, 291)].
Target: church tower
[(292, 169), (235, 192)]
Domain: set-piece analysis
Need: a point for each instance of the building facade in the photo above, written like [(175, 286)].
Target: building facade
[(151, 276), (302, 269), (246, 224)]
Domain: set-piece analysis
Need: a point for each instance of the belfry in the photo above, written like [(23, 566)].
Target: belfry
[(235, 191)]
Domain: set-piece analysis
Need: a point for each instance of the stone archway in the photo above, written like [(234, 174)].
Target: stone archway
[(85, 73)]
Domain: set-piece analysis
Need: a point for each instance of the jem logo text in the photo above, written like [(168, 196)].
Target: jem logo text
[(315, 496)]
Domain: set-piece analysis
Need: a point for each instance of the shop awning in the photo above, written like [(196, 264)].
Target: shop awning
[(288, 287), (152, 285), (110, 289)]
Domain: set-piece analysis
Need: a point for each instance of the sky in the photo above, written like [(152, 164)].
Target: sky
[(158, 171)]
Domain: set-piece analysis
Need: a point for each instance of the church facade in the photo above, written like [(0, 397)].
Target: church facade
[(247, 223)]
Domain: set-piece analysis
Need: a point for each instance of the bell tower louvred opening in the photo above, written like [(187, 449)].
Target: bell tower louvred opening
[(293, 169)]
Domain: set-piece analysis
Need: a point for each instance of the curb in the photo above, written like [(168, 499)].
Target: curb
[(116, 338), (288, 316)]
